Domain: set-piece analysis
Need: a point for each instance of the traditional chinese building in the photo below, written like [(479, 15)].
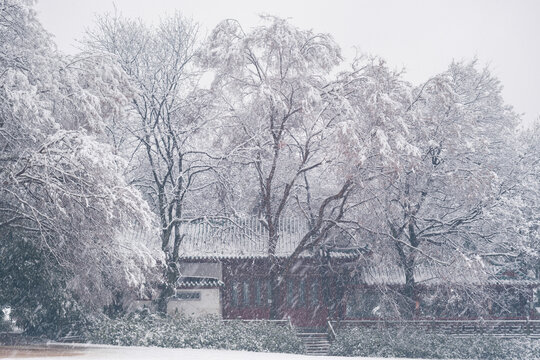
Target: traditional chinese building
[(225, 271)]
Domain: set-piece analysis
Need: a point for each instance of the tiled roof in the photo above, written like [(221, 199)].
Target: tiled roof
[(195, 281), (473, 273), (243, 238)]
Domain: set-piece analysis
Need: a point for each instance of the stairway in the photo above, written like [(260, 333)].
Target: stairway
[(315, 343)]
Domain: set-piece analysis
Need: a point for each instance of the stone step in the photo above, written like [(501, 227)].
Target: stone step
[(313, 346), (315, 343), (322, 341)]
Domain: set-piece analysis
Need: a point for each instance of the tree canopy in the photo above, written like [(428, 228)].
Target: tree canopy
[(63, 199), (105, 155)]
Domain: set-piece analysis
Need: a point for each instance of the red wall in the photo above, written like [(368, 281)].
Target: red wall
[(311, 312)]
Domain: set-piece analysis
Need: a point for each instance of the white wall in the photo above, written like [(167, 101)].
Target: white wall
[(208, 304)]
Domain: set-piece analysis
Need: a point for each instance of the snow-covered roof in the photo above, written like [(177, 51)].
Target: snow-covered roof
[(243, 238), (465, 274)]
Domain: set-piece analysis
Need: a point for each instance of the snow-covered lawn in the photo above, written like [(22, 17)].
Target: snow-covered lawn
[(99, 352)]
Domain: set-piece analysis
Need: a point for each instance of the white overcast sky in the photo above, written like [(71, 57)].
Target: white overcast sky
[(421, 36)]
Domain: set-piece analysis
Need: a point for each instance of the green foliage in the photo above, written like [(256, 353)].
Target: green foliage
[(35, 289), (411, 343), (5, 326), (140, 329)]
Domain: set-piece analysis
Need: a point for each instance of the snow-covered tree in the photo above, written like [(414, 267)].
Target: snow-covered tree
[(521, 210), (442, 163), (168, 136), (279, 128), (62, 193)]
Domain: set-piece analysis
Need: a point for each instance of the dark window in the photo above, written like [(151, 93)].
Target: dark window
[(259, 301), (314, 292), (245, 291), (290, 292), (188, 295), (269, 291), (234, 293), (257, 293), (301, 293), (326, 294)]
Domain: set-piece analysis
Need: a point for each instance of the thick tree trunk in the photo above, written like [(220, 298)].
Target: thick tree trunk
[(172, 272), (171, 276), (326, 291), (409, 290), (275, 289), (275, 270), (174, 214), (342, 289), (407, 259)]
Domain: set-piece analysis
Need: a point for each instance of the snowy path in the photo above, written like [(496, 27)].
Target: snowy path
[(101, 352)]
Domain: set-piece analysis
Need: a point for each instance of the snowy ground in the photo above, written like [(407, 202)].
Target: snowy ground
[(93, 352)]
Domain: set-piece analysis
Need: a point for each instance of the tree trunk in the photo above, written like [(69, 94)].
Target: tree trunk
[(172, 274), (275, 289), (409, 290), (407, 259), (407, 263), (275, 269)]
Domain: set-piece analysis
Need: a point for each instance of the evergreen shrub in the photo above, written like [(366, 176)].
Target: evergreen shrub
[(143, 329), (413, 343)]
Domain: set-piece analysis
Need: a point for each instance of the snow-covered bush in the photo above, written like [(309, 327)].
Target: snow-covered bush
[(141, 329), (406, 342)]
